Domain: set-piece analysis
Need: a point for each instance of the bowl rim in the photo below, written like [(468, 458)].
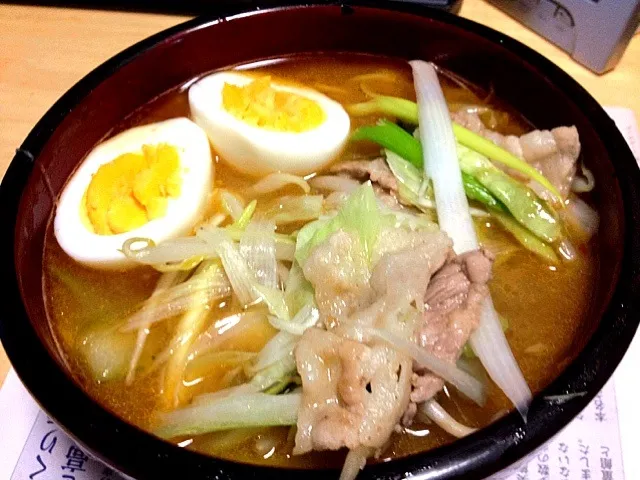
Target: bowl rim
[(495, 447)]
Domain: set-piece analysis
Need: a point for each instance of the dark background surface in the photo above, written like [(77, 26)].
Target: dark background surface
[(197, 7)]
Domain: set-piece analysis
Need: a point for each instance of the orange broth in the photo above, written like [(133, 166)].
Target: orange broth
[(545, 306)]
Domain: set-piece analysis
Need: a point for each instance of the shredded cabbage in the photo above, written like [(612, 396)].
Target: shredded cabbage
[(241, 278), (293, 209), (258, 248), (276, 181), (189, 326), (414, 187), (525, 206), (359, 213), (307, 317), (285, 367), (107, 352), (280, 345), (273, 298), (298, 292), (234, 411), (232, 204)]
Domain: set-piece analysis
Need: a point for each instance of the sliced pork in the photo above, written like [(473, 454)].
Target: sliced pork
[(356, 389), (554, 153), (339, 273), (452, 310), (353, 394), (379, 174), (404, 272), (375, 170)]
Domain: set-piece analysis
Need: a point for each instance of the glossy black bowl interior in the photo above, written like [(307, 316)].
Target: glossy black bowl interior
[(492, 61)]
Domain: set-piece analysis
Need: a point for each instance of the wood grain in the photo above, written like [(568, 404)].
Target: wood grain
[(44, 51)]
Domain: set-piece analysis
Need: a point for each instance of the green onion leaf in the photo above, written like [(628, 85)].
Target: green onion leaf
[(400, 108), (391, 136), (476, 191)]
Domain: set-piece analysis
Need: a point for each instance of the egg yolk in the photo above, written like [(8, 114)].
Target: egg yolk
[(132, 189), (259, 104)]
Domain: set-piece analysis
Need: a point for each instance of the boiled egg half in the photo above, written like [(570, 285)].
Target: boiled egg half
[(152, 181), (259, 126)]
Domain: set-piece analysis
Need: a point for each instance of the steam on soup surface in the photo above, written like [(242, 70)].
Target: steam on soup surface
[(285, 288)]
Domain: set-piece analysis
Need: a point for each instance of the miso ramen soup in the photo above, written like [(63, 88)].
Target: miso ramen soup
[(259, 265)]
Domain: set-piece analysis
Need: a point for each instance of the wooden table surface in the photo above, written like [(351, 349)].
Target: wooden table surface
[(44, 51)]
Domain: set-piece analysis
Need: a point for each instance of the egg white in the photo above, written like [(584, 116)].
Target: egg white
[(196, 172), (258, 151)]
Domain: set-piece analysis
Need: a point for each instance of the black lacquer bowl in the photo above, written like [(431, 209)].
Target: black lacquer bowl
[(233, 35)]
